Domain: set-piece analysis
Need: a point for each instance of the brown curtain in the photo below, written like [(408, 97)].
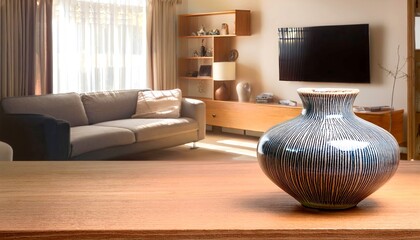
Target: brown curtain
[(162, 44), (26, 47)]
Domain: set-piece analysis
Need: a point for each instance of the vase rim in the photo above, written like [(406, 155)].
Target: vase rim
[(329, 91)]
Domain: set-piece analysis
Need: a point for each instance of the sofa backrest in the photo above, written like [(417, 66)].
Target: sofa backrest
[(109, 105), (64, 106)]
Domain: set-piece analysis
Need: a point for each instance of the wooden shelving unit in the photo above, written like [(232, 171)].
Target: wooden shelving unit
[(239, 22), (197, 58), (196, 78), (218, 45)]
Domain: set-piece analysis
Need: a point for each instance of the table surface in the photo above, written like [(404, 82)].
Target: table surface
[(189, 200)]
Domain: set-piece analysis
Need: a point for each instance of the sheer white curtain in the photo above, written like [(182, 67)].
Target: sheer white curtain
[(99, 45)]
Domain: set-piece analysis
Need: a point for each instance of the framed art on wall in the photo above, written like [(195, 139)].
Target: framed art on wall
[(205, 71)]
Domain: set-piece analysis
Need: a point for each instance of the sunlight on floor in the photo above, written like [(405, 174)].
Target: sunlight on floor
[(239, 143), (230, 146)]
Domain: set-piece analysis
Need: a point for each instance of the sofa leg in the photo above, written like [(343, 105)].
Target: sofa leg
[(194, 145)]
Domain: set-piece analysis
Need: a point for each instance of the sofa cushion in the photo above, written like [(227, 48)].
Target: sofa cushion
[(109, 105), (89, 138), (150, 129), (63, 106), (159, 104)]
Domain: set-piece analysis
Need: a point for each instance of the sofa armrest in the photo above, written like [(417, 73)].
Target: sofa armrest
[(195, 109), (36, 137)]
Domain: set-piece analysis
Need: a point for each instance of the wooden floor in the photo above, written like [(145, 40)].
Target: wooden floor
[(214, 146)]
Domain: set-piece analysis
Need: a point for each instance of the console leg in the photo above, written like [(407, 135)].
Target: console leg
[(194, 146)]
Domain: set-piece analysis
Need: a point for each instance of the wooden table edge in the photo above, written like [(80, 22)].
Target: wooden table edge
[(217, 234)]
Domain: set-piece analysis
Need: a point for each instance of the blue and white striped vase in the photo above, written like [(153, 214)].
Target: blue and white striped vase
[(328, 158)]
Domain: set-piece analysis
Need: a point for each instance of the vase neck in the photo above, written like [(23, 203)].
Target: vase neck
[(328, 102)]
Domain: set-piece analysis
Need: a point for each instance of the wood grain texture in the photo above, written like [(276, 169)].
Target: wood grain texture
[(243, 22), (222, 46), (248, 116), (411, 81), (393, 124), (188, 200)]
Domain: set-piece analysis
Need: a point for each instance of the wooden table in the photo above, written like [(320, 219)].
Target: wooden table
[(188, 200)]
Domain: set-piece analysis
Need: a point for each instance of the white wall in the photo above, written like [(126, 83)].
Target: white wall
[(258, 54)]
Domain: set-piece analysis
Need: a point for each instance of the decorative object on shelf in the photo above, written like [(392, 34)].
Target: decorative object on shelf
[(287, 102), (265, 98), (214, 32), (192, 74), (223, 71), (195, 53), (243, 89), (233, 55), (372, 109), (202, 31), (396, 74), (205, 71), (225, 29), (209, 52), (328, 158), (203, 49)]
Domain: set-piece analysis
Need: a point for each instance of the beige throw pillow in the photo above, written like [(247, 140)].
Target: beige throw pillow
[(158, 104)]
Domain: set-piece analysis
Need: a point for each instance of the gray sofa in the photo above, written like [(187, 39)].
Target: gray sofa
[(92, 126)]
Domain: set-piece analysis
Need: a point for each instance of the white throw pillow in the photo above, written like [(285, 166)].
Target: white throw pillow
[(158, 104)]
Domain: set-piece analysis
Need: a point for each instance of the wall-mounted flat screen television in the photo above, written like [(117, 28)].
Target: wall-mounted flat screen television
[(337, 54)]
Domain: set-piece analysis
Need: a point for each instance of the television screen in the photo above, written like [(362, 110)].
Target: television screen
[(325, 54)]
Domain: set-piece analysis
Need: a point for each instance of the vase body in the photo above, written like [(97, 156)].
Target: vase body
[(328, 158), (243, 89), (222, 93)]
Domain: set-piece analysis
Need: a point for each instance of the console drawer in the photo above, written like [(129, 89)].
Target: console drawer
[(248, 116)]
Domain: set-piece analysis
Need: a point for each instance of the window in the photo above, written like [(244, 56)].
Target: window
[(99, 45)]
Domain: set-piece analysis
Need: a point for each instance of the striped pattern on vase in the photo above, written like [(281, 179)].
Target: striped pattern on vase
[(328, 158)]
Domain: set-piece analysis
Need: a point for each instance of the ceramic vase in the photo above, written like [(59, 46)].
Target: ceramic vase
[(222, 93), (328, 158), (243, 89)]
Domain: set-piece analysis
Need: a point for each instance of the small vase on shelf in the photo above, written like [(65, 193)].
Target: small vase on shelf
[(203, 50), (243, 90)]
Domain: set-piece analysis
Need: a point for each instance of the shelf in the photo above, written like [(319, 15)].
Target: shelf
[(191, 36), (209, 13), (237, 23), (208, 36), (196, 78), (196, 58)]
